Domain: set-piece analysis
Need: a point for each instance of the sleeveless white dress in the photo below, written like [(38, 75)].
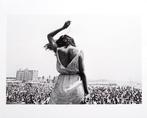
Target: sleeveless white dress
[(68, 88)]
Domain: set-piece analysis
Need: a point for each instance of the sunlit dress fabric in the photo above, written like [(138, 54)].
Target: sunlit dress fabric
[(68, 78)]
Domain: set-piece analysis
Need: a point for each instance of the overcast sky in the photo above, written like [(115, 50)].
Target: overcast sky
[(111, 44)]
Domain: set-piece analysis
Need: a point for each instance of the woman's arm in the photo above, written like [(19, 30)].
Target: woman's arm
[(52, 34), (52, 44), (82, 74)]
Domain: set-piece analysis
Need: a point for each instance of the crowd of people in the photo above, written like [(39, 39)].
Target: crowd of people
[(114, 95), (28, 93)]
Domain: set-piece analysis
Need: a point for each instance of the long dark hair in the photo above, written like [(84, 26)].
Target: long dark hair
[(63, 40)]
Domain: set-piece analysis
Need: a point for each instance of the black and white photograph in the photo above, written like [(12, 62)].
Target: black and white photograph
[(73, 59)]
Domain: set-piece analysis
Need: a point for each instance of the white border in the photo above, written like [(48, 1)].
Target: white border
[(109, 7)]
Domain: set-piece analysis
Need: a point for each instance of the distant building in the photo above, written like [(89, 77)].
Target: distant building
[(26, 75), (11, 78)]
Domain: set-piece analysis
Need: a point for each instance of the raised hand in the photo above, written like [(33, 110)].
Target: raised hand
[(66, 24)]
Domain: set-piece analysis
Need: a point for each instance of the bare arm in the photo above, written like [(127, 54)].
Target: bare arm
[(82, 75), (52, 34), (52, 44)]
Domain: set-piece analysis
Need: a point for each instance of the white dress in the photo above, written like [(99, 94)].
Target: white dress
[(68, 88)]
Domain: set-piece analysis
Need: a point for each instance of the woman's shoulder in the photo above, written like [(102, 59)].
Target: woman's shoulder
[(73, 49), (77, 51)]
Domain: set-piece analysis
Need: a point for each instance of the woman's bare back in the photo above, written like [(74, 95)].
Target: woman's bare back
[(66, 55)]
